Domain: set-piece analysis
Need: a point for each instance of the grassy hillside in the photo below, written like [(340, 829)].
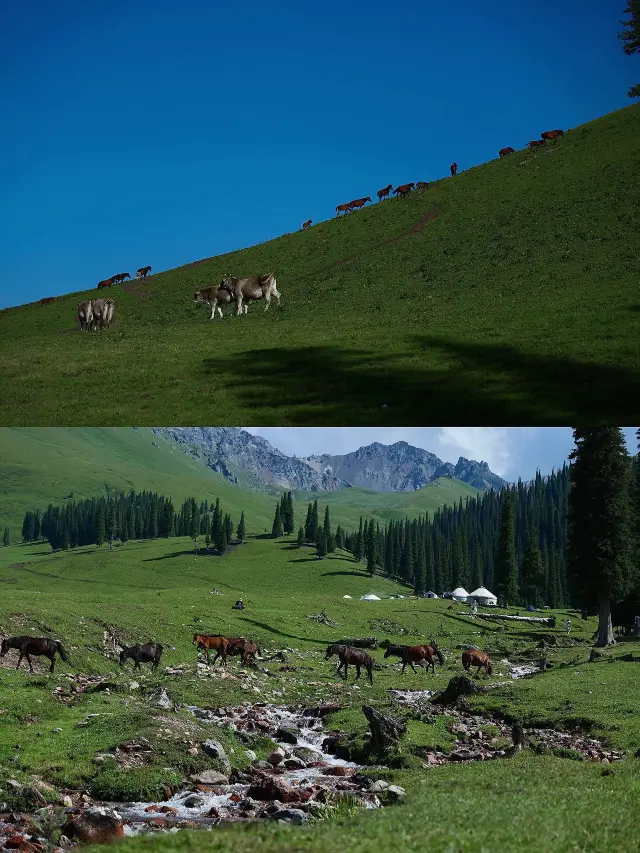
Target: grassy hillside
[(40, 466), (161, 590), (507, 294)]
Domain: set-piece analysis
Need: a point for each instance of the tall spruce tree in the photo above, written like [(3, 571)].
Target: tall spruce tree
[(506, 572), (600, 541), (370, 547), (300, 540), (630, 37), (277, 528), (241, 532), (358, 551), (321, 543), (420, 575), (532, 573), (6, 539)]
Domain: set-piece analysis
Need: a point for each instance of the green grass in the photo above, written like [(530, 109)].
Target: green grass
[(39, 466), (515, 303), (161, 590)]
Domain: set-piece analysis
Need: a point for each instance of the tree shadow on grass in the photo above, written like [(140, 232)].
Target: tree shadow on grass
[(273, 630), (472, 384), (352, 574)]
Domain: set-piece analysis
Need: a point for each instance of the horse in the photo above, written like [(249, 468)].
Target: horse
[(343, 208), (503, 152), (422, 185), (245, 648), (143, 272), (217, 642), (403, 189), (120, 277), (33, 646), (454, 169), (537, 143), (358, 202), (384, 192), (107, 282), (46, 299), (349, 655), (473, 657), (306, 224), (416, 654), (552, 134), (145, 652)]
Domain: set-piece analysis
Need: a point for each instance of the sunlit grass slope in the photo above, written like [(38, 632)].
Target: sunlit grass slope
[(507, 294)]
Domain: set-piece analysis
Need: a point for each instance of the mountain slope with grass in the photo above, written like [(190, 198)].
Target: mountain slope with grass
[(57, 465), (506, 294)]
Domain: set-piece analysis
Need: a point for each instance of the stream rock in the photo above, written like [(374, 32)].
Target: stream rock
[(209, 777), (214, 749), (291, 816)]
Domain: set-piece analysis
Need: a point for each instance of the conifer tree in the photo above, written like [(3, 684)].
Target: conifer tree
[(370, 547), (100, 526), (228, 527), (358, 552), (406, 565), (506, 577), (112, 526), (207, 541), (630, 37), (241, 532), (223, 543), (167, 522), (420, 575), (6, 540), (599, 546), (300, 541), (277, 529), (321, 543), (532, 574), (307, 524)]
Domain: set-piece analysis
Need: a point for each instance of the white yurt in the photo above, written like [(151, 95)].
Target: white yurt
[(460, 594), (346, 596), (483, 597), (370, 597)]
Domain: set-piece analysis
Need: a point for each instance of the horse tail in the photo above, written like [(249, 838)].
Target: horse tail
[(61, 652)]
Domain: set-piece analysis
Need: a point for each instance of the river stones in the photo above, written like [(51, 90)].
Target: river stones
[(214, 749), (209, 777), (287, 734), (290, 816), (277, 756)]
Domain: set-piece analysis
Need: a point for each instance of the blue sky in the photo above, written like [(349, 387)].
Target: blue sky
[(142, 132), (511, 452)]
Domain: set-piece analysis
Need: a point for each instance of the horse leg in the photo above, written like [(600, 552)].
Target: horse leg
[(30, 664), (20, 659), (412, 666), (357, 672), (370, 673), (239, 301), (404, 666)]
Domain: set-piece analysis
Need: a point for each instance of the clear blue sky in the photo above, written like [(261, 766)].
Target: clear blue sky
[(511, 452), (141, 132)]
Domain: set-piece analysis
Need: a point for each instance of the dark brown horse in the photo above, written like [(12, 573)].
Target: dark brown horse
[(343, 208), (384, 192), (552, 134), (403, 189), (422, 185), (416, 654), (349, 655), (120, 277), (218, 643), (33, 646), (142, 653), (306, 224), (245, 648), (107, 282), (537, 143), (504, 152), (358, 203), (473, 657), (143, 272), (454, 169)]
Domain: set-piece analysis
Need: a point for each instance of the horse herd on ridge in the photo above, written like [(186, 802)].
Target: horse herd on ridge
[(225, 647), (93, 314)]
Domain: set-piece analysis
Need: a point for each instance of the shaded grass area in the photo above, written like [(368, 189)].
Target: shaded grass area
[(508, 293)]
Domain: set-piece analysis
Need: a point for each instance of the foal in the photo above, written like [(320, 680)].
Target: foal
[(349, 655)]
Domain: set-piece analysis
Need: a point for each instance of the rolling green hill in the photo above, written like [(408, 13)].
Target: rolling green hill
[(507, 294), (41, 466)]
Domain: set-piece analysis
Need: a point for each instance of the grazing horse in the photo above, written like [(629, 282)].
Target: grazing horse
[(384, 193), (416, 654), (552, 134), (107, 282), (349, 655), (454, 169), (343, 208), (120, 277), (243, 647), (422, 185), (46, 299), (358, 202), (503, 152), (306, 224), (472, 657), (143, 272), (33, 646), (142, 652), (216, 642), (403, 189), (537, 143)]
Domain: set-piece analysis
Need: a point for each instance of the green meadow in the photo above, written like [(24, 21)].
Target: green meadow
[(161, 590), (505, 295)]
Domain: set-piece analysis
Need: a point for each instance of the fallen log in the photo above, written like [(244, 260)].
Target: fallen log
[(358, 642), (385, 730), (549, 621), (459, 685)]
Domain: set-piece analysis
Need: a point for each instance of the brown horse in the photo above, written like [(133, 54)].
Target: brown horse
[(537, 143), (143, 272), (552, 134), (33, 646), (120, 277), (245, 648), (504, 152), (472, 657), (403, 189), (454, 169), (218, 643), (142, 652), (306, 224), (416, 654), (384, 192), (349, 655), (422, 185), (46, 299), (343, 208), (358, 202), (107, 282)]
